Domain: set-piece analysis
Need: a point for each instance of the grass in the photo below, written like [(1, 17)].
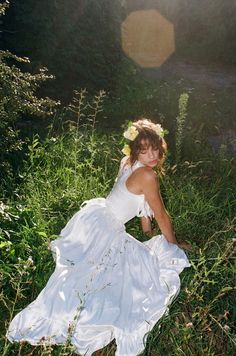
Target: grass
[(63, 171)]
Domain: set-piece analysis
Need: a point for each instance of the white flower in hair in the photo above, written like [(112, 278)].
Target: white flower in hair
[(159, 130), (131, 133)]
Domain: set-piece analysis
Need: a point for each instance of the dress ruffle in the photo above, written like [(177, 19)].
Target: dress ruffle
[(144, 209)]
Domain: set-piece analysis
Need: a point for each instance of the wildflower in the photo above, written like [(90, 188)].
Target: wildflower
[(226, 327), (189, 325), (159, 130), (30, 260)]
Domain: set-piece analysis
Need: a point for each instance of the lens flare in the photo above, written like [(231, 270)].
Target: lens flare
[(148, 38)]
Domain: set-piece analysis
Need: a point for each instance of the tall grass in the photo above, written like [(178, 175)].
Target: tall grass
[(180, 121), (63, 171)]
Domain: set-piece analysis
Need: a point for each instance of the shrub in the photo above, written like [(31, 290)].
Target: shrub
[(18, 99)]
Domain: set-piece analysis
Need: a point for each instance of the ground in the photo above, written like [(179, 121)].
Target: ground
[(216, 76)]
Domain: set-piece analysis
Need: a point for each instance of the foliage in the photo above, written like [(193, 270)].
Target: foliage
[(77, 40), (203, 33), (65, 170), (18, 98), (80, 163), (3, 7), (203, 209), (84, 110), (156, 94)]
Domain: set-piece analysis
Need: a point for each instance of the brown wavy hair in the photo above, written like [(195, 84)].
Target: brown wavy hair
[(147, 137)]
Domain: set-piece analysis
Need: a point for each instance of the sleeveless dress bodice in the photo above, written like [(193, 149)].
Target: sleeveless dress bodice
[(124, 204)]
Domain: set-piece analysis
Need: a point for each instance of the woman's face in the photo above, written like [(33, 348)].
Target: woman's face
[(148, 155)]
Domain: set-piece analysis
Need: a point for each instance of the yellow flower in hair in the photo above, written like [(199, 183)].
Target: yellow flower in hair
[(126, 150), (131, 133)]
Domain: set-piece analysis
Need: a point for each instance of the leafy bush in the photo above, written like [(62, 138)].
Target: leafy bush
[(78, 40), (18, 98)]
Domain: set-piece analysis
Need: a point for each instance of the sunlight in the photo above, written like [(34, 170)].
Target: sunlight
[(148, 38)]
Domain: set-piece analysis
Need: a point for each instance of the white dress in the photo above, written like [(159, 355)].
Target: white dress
[(106, 284)]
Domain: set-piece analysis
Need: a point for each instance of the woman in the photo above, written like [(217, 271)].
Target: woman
[(107, 285)]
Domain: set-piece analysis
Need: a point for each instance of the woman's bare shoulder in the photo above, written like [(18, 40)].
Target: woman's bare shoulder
[(142, 178), (145, 174)]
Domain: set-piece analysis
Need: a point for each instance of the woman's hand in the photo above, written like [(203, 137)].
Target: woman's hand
[(185, 246)]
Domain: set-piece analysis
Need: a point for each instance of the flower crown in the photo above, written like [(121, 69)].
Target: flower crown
[(131, 133)]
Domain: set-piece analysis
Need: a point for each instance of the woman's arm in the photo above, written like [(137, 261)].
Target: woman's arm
[(151, 190), (146, 224)]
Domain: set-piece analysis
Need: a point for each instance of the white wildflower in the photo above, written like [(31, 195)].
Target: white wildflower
[(159, 130), (189, 325), (226, 327)]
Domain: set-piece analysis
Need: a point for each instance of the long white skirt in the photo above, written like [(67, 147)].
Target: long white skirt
[(106, 285)]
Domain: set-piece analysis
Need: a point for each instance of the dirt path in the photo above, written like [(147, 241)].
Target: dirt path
[(213, 76)]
